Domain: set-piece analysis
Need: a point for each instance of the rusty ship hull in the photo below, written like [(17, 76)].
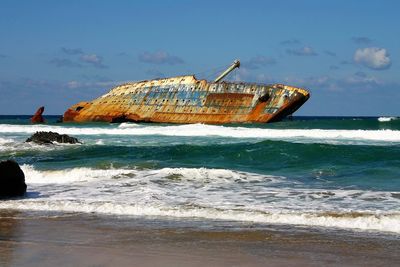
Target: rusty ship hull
[(184, 99)]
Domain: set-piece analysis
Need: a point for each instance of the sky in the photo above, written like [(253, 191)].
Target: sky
[(57, 53)]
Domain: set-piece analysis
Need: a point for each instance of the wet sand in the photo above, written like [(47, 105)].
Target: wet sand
[(88, 240)]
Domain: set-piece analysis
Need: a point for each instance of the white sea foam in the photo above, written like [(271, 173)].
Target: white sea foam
[(128, 125), (200, 130), (100, 142), (386, 119), (5, 140), (68, 175), (368, 221), (5, 143), (13, 145), (206, 193), (207, 175)]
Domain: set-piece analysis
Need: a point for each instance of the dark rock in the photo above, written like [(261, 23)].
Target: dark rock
[(37, 117), (50, 137), (12, 180), (60, 119)]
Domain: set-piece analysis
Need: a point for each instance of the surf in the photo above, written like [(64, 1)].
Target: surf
[(206, 193), (331, 136)]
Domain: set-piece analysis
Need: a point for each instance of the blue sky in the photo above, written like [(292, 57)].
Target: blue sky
[(56, 53)]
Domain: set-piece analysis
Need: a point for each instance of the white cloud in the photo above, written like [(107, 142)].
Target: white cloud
[(258, 62), (246, 75), (71, 51), (73, 84), (78, 58), (240, 75), (361, 40), (373, 58), (90, 85), (302, 51), (160, 57), (64, 62), (93, 59), (292, 41), (356, 81)]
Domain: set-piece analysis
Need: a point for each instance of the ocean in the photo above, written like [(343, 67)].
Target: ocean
[(316, 172)]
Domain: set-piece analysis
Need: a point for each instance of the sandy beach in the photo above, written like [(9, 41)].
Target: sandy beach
[(88, 240), (199, 133)]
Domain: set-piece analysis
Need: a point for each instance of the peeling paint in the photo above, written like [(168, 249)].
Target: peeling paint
[(184, 99)]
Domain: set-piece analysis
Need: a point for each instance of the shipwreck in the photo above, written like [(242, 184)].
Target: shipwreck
[(185, 99)]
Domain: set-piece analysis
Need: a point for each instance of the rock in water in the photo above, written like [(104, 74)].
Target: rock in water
[(50, 137), (37, 117), (12, 180)]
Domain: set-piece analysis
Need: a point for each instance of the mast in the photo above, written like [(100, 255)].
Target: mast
[(235, 64)]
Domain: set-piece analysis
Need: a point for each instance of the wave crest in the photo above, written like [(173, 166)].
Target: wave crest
[(216, 194), (388, 222), (386, 119), (200, 130)]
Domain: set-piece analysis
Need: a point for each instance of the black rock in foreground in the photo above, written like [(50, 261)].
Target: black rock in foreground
[(12, 180), (50, 137)]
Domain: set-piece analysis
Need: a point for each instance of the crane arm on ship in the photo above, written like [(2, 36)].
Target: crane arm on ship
[(235, 64)]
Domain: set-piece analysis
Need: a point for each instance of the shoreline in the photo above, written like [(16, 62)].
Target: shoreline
[(92, 240)]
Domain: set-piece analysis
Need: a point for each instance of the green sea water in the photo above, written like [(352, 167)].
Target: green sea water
[(316, 171)]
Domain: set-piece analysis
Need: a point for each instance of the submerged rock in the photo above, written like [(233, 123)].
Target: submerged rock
[(37, 117), (50, 137), (60, 119), (12, 180)]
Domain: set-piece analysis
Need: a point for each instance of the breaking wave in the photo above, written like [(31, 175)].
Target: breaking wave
[(361, 221), (13, 145), (215, 194), (386, 119), (5, 141), (200, 130)]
